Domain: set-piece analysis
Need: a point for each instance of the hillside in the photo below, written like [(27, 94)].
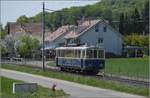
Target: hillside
[(107, 9)]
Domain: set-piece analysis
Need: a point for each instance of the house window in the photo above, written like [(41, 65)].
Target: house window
[(105, 29), (100, 40), (96, 28)]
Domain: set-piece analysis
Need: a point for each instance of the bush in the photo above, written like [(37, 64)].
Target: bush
[(136, 40)]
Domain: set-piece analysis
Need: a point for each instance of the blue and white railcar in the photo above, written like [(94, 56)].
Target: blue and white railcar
[(83, 58)]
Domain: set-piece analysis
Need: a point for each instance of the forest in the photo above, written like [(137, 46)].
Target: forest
[(127, 16)]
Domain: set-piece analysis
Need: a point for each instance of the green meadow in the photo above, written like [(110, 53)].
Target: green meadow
[(132, 67)]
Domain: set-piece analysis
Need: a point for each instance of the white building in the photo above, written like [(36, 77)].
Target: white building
[(95, 33)]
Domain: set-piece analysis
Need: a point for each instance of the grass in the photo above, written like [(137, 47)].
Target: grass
[(133, 67), (6, 91), (81, 79), (51, 63)]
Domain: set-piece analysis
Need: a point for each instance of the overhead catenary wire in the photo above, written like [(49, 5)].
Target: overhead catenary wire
[(33, 9)]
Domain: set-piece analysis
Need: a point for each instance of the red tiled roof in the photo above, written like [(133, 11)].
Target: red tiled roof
[(33, 28), (86, 25), (60, 31)]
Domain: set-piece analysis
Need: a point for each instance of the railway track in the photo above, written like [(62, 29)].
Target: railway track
[(131, 82), (117, 79)]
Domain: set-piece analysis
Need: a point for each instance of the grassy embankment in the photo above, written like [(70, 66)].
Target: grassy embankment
[(81, 79), (6, 91), (132, 67)]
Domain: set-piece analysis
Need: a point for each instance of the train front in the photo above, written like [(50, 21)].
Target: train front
[(94, 60)]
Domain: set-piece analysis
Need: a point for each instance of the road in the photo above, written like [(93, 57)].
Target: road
[(74, 89), (29, 63)]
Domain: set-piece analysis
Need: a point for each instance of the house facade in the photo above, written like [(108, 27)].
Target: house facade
[(56, 38), (18, 29), (92, 33)]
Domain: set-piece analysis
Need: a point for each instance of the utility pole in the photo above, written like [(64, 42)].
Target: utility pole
[(43, 37)]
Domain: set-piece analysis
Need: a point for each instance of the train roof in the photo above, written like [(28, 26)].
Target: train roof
[(79, 48)]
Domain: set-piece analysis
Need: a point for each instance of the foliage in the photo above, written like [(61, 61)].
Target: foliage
[(2, 32), (27, 45), (136, 40), (23, 50), (107, 9), (35, 44), (3, 48), (23, 19), (137, 21)]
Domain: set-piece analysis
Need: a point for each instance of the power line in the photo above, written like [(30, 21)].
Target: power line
[(33, 9)]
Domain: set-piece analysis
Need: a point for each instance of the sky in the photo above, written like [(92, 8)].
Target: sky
[(11, 10)]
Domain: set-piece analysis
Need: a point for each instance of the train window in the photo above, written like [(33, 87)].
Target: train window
[(89, 54), (75, 53), (79, 53), (100, 54), (83, 53), (95, 53), (60, 53), (69, 53)]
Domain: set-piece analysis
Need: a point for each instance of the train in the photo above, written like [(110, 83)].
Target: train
[(86, 59)]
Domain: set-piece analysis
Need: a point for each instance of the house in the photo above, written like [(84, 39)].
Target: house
[(96, 33), (56, 38), (90, 32), (17, 29)]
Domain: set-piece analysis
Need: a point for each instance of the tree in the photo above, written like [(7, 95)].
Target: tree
[(23, 50), (136, 40), (35, 44), (145, 16), (136, 24), (2, 32), (23, 19), (27, 45), (121, 24), (3, 48), (107, 9)]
